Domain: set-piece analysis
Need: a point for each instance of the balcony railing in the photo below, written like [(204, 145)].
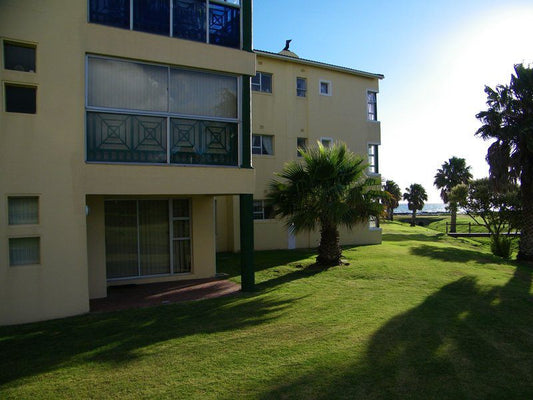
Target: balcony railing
[(124, 138), (217, 22)]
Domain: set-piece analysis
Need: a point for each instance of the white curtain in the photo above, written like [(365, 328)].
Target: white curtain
[(127, 85), (24, 251), (203, 94), (154, 237), (23, 210), (267, 145)]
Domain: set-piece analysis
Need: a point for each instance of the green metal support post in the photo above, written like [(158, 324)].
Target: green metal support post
[(246, 200), (247, 243)]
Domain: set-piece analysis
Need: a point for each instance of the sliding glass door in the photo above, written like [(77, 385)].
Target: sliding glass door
[(139, 234)]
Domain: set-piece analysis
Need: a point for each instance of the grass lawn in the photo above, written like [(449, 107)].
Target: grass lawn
[(438, 223), (421, 316)]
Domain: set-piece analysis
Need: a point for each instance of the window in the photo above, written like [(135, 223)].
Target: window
[(19, 57), (24, 251), (152, 16), (326, 141), (262, 82), (212, 21), (372, 113), (23, 210), (20, 99), (145, 113), (263, 210), (140, 240), (373, 159), (301, 87), (301, 143), (325, 88), (262, 144)]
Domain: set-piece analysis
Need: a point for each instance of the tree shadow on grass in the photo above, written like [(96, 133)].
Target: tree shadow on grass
[(399, 237), (302, 272), (464, 341), (116, 337), (229, 263), (454, 254), (422, 220)]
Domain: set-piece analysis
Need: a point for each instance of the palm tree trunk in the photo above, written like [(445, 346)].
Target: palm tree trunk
[(453, 217), (413, 218), (329, 251), (525, 247), (391, 213)]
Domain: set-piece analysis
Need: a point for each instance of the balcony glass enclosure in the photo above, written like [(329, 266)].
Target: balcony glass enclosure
[(145, 113), (209, 21)]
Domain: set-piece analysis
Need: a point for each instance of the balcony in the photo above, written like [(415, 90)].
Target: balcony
[(214, 21), (144, 139)]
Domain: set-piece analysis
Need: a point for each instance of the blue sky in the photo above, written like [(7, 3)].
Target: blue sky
[(436, 57)]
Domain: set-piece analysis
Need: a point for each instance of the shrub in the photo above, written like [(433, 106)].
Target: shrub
[(500, 246)]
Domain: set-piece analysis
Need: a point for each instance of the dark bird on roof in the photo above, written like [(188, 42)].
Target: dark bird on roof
[(287, 44)]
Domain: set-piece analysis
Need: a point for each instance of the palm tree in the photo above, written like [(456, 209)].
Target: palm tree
[(452, 173), (509, 120), (329, 188), (392, 196), (416, 196)]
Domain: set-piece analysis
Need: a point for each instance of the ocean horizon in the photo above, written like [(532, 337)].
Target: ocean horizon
[(429, 208)]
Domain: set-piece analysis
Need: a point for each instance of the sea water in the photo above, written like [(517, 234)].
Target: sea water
[(429, 208)]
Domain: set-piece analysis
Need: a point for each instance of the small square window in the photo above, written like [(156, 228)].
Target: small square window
[(325, 88), (24, 251), (263, 144), (23, 210), (326, 142), (19, 57), (262, 82), (20, 99), (301, 87), (263, 210), (301, 143)]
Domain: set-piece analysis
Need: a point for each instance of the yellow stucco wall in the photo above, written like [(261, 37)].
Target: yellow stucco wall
[(341, 116), (44, 155)]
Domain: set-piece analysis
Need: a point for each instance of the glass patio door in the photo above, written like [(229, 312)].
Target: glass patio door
[(137, 238)]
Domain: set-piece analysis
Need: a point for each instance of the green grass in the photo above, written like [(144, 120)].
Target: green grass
[(438, 223), (421, 316)]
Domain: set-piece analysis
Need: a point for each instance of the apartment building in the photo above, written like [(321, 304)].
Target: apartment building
[(121, 121), (295, 103)]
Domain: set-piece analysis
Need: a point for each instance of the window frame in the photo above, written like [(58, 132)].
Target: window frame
[(372, 115), (300, 147), (19, 85), (13, 197), (23, 44), (373, 167), (29, 264), (260, 75), (228, 3), (262, 215), (328, 85), (171, 238), (301, 92), (260, 147), (328, 140), (164, 114)]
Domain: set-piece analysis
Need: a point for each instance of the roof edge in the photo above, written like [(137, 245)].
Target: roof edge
[(319, 64)]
